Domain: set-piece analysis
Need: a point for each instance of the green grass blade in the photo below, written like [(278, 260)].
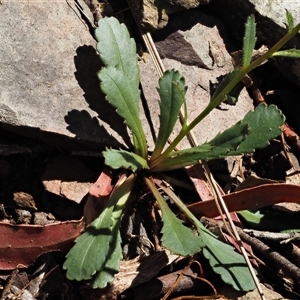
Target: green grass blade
[(120, 75), (175, 236), (117, 159), (172, 91), (92, 250), (249, 41)]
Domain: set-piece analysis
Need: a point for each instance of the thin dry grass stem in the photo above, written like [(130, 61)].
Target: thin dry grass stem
[(201, 273), (147, 38), (193, 141), (209, 283), (154, 54), (222, 203)]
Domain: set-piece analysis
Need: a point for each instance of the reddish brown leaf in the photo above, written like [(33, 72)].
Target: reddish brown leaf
[(199, 181), (203, 189), (98, 196), (22, 244), (252, 198)]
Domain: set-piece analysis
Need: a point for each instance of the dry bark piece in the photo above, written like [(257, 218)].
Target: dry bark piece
[(16, 281), (292, 138), (139, 270), (157, 287), (39, 273)]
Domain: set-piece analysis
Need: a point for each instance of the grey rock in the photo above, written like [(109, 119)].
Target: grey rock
[(271, 22), (49, 87)]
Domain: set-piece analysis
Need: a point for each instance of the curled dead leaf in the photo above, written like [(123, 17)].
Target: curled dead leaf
[(22, 244), (248, 199)]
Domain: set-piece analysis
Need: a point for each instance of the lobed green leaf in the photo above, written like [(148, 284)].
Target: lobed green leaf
[(220, 146), (264, 125), (112, 263), (172, 91), (120, 75), (93, 250), (117, 159), (249, 41), (254, 132), (176, 237), (89, 253), (230, 265), (223, 259)]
